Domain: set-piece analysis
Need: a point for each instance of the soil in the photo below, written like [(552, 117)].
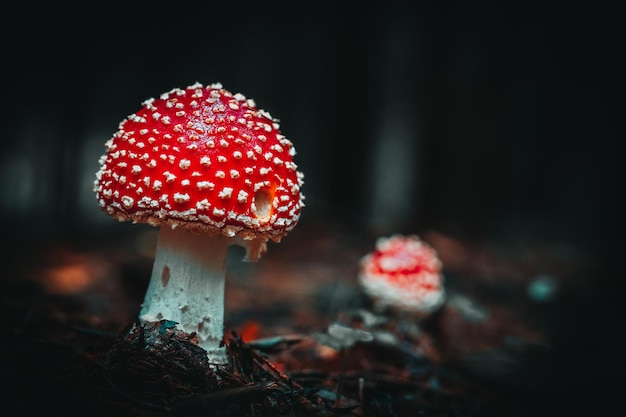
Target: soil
[(514, 338)]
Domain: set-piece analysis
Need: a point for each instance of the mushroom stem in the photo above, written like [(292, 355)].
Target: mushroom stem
[(187, 286)]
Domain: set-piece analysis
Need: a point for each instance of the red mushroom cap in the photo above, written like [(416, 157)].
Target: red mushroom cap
[(204, 159), (403, 272)]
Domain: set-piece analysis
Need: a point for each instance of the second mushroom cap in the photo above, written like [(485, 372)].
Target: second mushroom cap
[(403, 272)]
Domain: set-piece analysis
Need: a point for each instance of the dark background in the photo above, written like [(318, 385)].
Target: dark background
[(482, 121)]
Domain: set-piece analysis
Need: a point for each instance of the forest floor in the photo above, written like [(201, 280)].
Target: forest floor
[(500, 346)]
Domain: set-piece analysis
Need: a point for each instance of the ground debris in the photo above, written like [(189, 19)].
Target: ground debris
[(176, 379), (77, 352)]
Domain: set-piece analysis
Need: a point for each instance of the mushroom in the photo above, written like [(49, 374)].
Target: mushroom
[(403, 273), (210, 170)]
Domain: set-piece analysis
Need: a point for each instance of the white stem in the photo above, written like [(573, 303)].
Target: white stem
[(187, 286)]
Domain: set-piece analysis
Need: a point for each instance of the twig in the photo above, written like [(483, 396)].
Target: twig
[(265, 362)]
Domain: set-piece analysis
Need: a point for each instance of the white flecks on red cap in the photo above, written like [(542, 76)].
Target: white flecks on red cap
[(204, 159), (403, 272)]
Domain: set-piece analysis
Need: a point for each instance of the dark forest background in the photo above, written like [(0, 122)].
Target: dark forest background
[(480, 120), (489, 122)]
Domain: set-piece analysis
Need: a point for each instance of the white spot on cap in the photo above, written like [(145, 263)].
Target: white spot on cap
[(144, 202), (128, 201), (242, 197), (169, 176), (184, 163), (181, 198), (227, 192), (204, 185), (203, 204)]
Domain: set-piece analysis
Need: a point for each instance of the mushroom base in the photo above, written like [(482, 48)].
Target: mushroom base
[(187, 287)]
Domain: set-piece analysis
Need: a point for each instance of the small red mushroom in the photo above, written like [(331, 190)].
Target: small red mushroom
[(210, 170), (403, 273)]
